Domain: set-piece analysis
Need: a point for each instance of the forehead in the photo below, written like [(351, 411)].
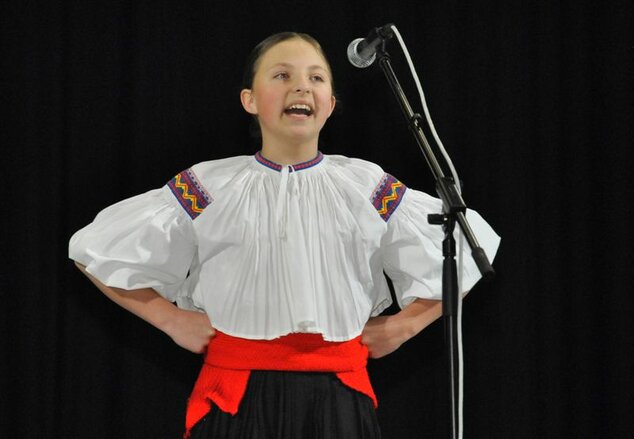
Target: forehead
[(293, 52)]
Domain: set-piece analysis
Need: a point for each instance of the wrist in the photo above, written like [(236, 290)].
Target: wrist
[(403, 327), (417, 316), (410, 327), (168, 318)]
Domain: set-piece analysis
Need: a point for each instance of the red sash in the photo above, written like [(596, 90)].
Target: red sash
[(230, 360)]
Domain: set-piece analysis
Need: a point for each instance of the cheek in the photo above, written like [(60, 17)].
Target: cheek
[(325, 103), (268, 103)]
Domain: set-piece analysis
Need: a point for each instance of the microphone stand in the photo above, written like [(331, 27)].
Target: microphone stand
[(454, 210)]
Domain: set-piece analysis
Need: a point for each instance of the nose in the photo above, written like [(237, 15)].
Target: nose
[(302, 85)]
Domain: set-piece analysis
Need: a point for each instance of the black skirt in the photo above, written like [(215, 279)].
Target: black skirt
[(293, 405)]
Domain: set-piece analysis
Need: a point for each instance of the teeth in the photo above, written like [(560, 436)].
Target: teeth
[(299, 107)]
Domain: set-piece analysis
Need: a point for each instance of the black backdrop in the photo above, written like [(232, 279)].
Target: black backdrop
[(103, 100)]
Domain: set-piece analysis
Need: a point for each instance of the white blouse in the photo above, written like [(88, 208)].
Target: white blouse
[(266, 250)]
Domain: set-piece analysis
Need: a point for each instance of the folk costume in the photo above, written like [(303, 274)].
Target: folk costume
[(287, 261)]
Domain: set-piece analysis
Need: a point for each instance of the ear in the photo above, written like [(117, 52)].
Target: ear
[(248, 101), (333, 102)]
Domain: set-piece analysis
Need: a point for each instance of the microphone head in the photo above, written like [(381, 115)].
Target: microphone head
[(356, 59)]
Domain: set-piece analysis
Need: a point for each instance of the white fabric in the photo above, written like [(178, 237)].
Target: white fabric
[(302, 250)]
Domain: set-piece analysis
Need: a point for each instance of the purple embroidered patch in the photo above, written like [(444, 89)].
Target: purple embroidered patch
[(387, 196), (190, 193)]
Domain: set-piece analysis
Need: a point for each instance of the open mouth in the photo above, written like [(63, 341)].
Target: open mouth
[(299, 109)]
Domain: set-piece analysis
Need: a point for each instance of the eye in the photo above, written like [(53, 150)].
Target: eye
[(317, 78), (281, 75)]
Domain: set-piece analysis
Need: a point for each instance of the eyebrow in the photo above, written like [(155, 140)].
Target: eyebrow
[(287, 65)]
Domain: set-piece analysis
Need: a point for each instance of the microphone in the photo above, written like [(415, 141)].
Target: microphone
[(362, 51)]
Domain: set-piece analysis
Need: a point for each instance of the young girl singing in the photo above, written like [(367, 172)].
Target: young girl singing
[(276, 264)]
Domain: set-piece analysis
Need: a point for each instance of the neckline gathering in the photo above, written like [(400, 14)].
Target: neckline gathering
[(296, 167)]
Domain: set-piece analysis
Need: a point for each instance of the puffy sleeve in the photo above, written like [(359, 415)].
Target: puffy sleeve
[(143, 241), (412, 248)]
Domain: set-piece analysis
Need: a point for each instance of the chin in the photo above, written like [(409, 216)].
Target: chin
[(302, 134)]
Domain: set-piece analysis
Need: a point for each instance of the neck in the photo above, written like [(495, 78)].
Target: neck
[(289, 154)]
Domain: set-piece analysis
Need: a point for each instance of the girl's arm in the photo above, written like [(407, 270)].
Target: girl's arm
[(385, 334), (189, 329)]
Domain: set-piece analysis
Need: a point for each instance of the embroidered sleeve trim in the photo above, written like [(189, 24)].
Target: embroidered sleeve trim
[(190, 193), (387, 196)]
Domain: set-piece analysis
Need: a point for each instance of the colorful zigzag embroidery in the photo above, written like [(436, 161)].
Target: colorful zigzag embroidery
[(297, 167), (190, 193), (387, 196)]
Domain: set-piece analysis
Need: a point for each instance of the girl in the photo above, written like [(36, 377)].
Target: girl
[(276, 262)]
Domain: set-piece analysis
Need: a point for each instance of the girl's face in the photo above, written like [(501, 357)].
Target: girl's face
[(291, 94)]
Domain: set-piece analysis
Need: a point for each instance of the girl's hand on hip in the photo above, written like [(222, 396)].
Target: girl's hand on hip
[(191, 330), (383, 335)]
